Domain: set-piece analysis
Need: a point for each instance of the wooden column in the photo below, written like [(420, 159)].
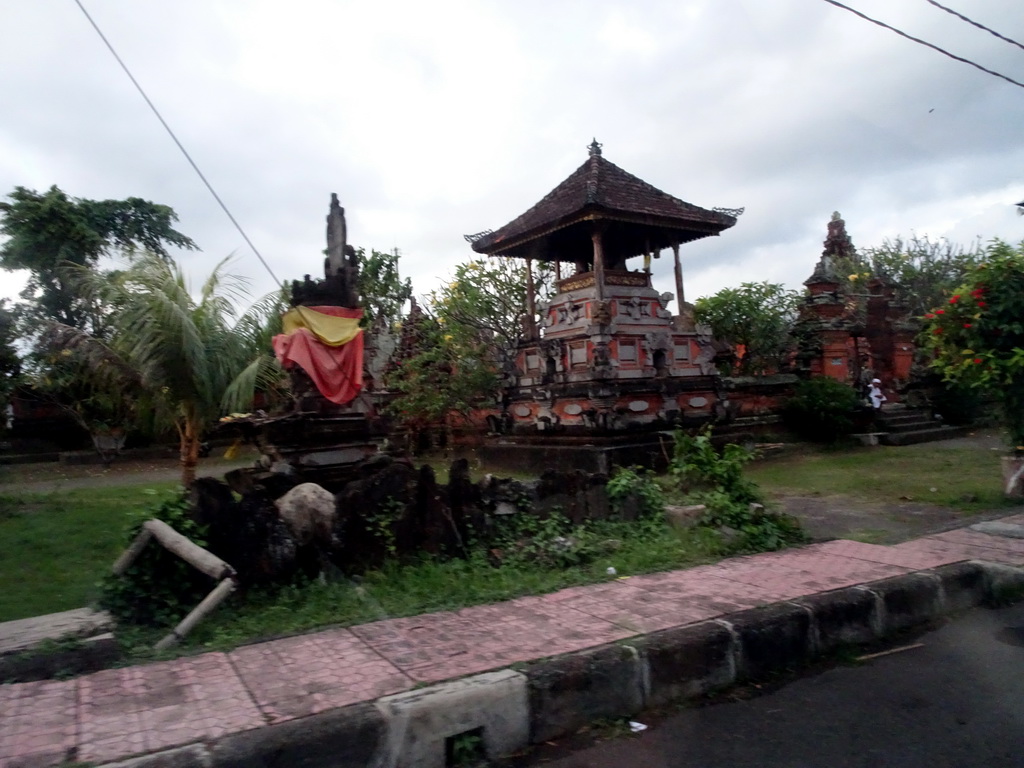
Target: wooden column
[(531, 301), (680, 296), (598, 260), (558, 269)]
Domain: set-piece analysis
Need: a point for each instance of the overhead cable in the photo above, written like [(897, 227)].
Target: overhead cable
[(972, 22), (188, 157), (925, 43)]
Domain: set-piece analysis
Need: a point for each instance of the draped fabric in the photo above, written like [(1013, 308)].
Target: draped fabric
[(327, 343), (333, 326)]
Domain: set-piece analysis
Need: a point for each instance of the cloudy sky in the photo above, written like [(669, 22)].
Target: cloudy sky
[(431, 120)]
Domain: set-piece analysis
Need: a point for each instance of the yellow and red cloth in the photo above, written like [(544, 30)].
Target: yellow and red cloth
[(327, 343)]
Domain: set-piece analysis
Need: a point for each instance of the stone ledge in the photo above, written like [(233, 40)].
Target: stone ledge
[(419, 722), (686, 662), (571, 691), (349, 737), (848, 616), (908, 601), (192, 756), (771, 639), (962, 585)]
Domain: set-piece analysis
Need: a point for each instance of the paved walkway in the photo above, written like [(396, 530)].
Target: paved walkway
[(116, 713)]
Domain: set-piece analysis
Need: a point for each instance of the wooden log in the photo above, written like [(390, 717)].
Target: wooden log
[(127, 557), (197, 614), (190, 552)]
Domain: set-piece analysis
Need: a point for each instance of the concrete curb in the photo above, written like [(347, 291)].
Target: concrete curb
[(508, 710)]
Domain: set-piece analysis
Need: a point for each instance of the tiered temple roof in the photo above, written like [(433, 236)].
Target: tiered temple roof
[(639, 218)]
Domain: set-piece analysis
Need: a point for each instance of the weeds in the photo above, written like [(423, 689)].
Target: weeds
[(159, 588), (735, 505)]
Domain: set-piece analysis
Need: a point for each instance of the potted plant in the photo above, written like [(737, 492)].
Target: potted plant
[(977, 339)]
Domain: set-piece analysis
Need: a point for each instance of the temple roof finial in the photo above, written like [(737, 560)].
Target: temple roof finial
[(595, 148)]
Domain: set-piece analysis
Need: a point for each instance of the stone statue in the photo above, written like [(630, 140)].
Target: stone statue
[(340, 286), (337, 237)]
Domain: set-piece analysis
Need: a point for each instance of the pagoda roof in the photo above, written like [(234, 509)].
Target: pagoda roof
[(599, 189)]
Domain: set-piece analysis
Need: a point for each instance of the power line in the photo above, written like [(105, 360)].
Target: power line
[(976, 24), (301, 309), (180, 146), (922, 42)]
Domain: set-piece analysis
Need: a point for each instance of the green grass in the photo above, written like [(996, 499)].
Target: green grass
[(965, 478), (431, 585), (54, 548)]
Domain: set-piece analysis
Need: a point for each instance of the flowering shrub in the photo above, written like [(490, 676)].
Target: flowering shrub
[(977, 337)]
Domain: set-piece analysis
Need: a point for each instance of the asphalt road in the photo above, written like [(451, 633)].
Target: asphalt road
[(956, 701)]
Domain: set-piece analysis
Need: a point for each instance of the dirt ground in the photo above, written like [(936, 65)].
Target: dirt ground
[(842, 516), (823, 517), (53, 476)]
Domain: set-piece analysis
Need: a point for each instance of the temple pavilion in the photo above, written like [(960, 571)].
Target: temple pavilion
[(605, 354)]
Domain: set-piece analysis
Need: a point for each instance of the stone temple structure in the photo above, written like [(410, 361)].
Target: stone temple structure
[(605, 356), (328, 429), (854, 337)]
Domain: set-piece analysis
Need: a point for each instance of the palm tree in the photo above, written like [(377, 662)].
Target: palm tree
[(187, 360)]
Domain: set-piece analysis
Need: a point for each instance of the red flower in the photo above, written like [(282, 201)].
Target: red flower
[(977, 360), (937, 330), (954, 299), (940, 311), (982, 304), (967, 325), (930, 315)]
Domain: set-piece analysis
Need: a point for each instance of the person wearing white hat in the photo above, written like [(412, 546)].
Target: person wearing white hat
[(875, 394)]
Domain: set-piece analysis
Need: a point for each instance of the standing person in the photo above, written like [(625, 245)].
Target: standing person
[(875, 394)]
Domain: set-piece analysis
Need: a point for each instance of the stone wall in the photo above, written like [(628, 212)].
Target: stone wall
[(389, 510)]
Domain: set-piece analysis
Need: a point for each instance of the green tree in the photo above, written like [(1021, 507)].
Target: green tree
[(184, 360), (926, 270), (381, 289), (757, 316), (977, 334), (452, 359), (10, 361), (48, 232), (441, 381), (483, 305)]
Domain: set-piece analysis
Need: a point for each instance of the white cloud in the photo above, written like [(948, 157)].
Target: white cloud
[(435, 120)]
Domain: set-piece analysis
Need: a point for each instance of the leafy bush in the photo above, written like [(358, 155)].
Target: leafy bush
[(821, 409), (977, 335), (698, 466), (958, 404), (636, 485), (159, 588), (524, 539), (716, 480), (759, 529)]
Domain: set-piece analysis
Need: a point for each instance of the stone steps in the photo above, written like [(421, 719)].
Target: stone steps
[(903, 419), (905, 426), (931, 434)]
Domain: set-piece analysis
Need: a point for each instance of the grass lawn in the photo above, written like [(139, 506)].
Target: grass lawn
[(965, 477), (54, 548), (437, 586)]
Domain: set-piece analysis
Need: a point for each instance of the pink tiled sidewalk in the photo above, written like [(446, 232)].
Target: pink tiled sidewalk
[(118, 713)]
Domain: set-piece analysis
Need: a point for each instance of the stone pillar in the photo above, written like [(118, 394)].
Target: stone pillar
[(902, 354), (681, 297), (835, 355), (598, 260)]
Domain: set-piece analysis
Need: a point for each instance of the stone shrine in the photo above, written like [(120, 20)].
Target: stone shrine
[(328, 429), (854, 337), (605, 356)]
